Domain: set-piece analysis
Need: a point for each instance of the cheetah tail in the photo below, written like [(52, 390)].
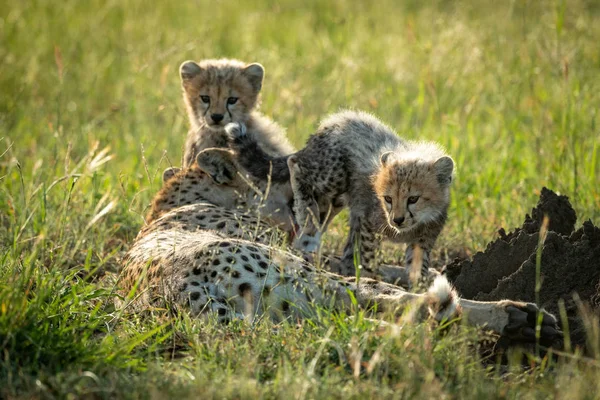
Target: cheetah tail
[(443, 301)]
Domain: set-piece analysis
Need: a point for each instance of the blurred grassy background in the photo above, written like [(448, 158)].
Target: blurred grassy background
[(511, 88)]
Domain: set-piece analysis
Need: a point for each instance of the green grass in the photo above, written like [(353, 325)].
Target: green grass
[(90, 114)]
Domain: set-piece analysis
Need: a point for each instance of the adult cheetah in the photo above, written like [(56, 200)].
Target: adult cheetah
[(214, 246)]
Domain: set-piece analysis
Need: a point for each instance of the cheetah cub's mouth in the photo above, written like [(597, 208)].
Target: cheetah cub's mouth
[(215, 125)]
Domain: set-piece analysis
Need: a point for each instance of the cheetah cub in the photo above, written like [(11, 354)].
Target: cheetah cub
[(394, 188), (217, 92)]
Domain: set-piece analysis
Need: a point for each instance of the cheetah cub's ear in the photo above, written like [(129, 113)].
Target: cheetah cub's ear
[(219, 164), (444, 168), (169, 173), (254, 73), (189, 70)]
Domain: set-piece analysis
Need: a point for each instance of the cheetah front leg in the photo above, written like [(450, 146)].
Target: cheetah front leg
[(417, 257), (515, 321), (416, 261), (361, 246), (306, 208)]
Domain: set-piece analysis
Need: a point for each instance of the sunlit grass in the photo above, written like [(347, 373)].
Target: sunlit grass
[(90, 114)]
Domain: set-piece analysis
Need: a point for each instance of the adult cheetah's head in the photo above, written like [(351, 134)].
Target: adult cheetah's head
[(217, 178)]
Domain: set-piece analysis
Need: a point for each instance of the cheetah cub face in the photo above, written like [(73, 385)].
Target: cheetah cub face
[(413, 191), (217, 92)]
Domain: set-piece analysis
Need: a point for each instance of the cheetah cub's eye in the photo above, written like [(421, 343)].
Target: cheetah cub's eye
[(413, 199), (232, 100), (388, 199), (205, 99)]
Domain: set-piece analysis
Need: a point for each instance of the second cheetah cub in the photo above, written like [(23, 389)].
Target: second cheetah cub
[(394, 188), (218, 92)]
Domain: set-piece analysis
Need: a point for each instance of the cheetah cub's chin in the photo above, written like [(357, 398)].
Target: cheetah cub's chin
[(413, 191)]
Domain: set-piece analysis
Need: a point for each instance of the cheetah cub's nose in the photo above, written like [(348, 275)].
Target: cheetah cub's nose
[(398, 221), (217, 117)]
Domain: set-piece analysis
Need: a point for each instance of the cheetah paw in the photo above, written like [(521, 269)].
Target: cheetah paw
[(236, 130), (522, 321)]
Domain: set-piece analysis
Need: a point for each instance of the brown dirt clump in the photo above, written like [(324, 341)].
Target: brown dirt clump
[(557, 208), (570, 263)]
